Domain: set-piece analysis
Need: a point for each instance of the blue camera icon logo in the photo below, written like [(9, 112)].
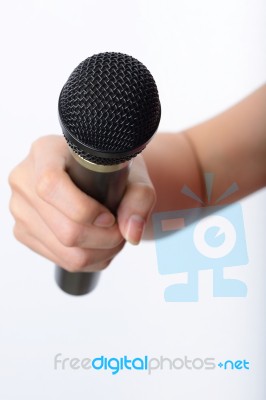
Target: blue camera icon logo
[(207, 238)]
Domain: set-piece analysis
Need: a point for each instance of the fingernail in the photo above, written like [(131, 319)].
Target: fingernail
[(104, 220), (135, 228)]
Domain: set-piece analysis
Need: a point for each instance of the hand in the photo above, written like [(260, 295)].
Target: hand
[(57, 220)]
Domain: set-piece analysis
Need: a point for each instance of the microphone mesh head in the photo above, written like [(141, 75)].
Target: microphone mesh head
[(109, 108)]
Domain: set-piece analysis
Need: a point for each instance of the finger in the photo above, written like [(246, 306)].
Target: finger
[(71, 258), (38, 247), (68, 232), (73, 234), (137, 203), (55, 187)]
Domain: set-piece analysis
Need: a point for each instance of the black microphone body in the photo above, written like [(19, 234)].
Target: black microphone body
[(105, 184), (108, 109)]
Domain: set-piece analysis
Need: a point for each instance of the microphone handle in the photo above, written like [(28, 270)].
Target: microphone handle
[(105, 184)]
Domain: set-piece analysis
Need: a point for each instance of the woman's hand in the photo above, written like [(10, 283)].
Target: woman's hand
[(57, 220)]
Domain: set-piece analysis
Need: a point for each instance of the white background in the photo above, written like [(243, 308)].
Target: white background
[(205, 56)]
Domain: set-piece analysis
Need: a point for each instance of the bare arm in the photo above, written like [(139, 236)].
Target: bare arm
[(231, 145)]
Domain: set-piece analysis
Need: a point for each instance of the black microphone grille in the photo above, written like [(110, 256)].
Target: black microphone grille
[(109, 108)]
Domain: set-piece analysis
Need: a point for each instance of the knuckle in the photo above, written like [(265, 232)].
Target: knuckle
[(13, 207), (37, 144), (81, 260), (85, 211), (81, 214), (12, 178), (145, 191), (69, 234), (115, 239), (100, 266), (34, 146), (16, 212), (104, 265), (47, 183), (19, 178), (18, 233)]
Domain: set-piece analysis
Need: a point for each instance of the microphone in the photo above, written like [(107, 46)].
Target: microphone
[(109, 109)]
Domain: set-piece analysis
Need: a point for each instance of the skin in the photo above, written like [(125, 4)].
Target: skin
[(58, 221)]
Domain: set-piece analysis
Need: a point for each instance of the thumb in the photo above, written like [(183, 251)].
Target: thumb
[(137, 203)]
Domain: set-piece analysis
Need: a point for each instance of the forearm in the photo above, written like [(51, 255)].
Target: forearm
[(172, 164), (231, 145)]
